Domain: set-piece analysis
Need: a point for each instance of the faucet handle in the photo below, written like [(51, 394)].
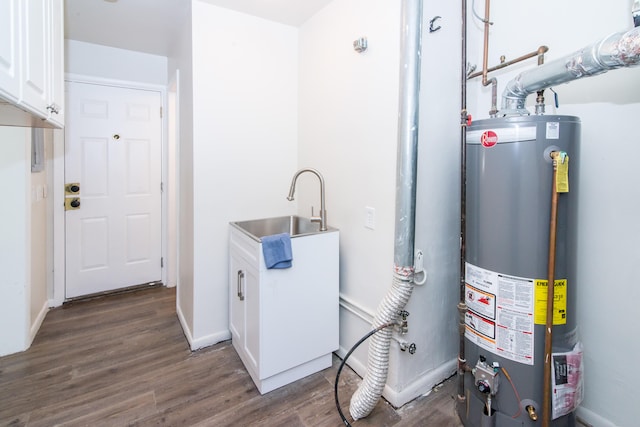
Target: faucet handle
[(313, 217)]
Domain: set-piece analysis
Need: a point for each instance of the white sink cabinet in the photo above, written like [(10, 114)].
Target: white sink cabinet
[(284, 322)]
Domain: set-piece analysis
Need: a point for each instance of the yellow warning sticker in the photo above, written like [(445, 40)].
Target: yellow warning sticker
[(559, 302), (562, 177)]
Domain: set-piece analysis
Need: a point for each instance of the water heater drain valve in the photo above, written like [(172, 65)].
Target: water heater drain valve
[(486, 377)]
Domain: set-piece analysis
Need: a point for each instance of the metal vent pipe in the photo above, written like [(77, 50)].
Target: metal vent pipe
[(368, 393), (615, 51)]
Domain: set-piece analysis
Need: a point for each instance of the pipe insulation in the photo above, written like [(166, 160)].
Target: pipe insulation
[(617, 50), (368, 393)]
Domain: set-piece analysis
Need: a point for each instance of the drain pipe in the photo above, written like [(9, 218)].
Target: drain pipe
[(615, 51), (368, 393)]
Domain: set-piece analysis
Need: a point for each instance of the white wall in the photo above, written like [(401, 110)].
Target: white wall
[(434, 316), (609, 197), (348, 130), (112, 63), (181, 66), (41, 244), (244, 143), (15, 229), (348, 126)]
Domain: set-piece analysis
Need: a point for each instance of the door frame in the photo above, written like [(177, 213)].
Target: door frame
[(57, 295)]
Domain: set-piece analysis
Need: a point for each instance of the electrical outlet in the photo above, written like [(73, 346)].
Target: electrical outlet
[(370, 218)]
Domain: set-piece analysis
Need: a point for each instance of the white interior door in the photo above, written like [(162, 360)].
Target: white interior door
[(113, 151)]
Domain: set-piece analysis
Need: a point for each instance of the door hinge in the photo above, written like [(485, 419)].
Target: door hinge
[(162, 187), (161, 262), (160, 112)]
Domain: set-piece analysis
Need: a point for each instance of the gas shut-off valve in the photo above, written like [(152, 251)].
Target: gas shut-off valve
[(486, 377)]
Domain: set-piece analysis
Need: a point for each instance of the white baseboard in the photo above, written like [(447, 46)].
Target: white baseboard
[(591, 418), (206, 341), (421, 385), (35, 326), (185, 326)]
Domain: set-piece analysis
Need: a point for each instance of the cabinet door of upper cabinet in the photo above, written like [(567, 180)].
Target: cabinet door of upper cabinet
[(56, 76), (9, 58), (35, 61)]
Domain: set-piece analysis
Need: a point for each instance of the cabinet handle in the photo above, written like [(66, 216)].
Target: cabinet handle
[(53, 108), (239, 284)]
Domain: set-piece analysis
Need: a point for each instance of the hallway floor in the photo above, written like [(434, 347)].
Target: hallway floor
[(123, 360)]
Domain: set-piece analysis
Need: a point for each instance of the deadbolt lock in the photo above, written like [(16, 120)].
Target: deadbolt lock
[(71, 203), (72, 188)]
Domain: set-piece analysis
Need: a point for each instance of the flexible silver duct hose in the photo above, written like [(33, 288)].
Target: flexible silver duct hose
[(615, 51), (365, 398)]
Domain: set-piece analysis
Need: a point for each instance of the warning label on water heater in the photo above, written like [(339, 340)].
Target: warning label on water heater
[(500, 313)]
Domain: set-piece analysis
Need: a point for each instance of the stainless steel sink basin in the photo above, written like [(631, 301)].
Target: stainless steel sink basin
[(296, 226)]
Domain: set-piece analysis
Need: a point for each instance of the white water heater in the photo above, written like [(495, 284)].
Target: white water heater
[(508, 202)]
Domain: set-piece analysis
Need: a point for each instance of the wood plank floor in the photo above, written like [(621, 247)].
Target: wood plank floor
[(123, 360)]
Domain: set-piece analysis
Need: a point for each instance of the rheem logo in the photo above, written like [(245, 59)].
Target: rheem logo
[(489, 139)]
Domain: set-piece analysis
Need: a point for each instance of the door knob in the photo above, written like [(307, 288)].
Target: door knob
[(71, 203), (72, 188)]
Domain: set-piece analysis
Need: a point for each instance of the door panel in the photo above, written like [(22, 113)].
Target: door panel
[(113, 150)]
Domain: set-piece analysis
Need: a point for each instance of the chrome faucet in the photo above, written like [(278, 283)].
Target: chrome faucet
[(322, 219)]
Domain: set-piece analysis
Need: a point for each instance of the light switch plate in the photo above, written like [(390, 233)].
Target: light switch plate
[(370, 218)]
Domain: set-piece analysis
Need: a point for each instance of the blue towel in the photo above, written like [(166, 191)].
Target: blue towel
[(277, 250)]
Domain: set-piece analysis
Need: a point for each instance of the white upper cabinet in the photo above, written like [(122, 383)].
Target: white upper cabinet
[(55, 103), (31, 63), (34, 50), (9, 50)]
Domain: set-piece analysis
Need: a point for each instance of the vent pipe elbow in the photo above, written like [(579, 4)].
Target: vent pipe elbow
[(615, 51)]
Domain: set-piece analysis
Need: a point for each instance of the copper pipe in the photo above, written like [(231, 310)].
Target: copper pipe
[(546, 396), (485, 59), (539, 53), (485, 50)]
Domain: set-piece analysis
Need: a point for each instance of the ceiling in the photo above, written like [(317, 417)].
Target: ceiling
[(150, 26)]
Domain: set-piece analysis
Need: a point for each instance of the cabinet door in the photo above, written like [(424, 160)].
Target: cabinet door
[(253, 319), (244, 313), (9, 59), (236, 300), (55, 102), (35, 46)]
